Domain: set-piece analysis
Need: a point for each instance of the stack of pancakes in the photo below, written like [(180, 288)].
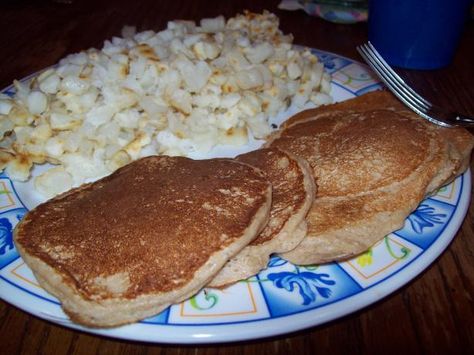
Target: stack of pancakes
[(374, 162), (158, 230)]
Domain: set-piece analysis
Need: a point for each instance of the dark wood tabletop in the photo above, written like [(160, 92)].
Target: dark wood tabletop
[(434, 313)]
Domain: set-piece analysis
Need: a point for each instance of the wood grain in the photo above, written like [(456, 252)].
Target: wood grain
[(432, 314)]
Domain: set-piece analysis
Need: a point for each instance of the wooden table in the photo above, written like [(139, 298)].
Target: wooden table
[(432, 314)]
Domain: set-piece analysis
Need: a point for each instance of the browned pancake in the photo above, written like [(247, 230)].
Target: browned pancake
[(151, 234), (293, 193), (374, 162), (375, 100)]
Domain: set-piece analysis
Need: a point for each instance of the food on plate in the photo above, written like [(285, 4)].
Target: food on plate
[(176, 92), (374, 161), (293, 193), (159, 229), (149, 235)]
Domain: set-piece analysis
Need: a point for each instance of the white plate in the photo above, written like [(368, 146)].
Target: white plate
[(282, 298)]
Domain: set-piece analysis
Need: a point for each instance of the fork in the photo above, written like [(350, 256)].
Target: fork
[(407, 95)]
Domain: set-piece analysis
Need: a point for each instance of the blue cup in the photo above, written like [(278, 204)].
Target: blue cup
[(417, 34)]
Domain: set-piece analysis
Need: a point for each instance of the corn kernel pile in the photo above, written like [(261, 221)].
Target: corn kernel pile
[(184, 89)]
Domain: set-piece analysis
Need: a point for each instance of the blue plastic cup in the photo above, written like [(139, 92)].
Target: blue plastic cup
[(417, 34)]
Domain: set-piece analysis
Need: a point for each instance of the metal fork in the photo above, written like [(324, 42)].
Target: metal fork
[(407, 95)]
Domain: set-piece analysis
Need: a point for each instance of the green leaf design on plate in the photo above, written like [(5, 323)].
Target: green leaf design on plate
[(405, 251), (210, 297)]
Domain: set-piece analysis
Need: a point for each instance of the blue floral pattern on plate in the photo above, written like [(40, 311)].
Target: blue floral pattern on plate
[(426, 223), (309, 284), (425, 216), (8, 220), (6, 240), (331, 62), (290, 288)]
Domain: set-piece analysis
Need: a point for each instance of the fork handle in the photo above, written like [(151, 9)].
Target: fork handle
[(464, 120)]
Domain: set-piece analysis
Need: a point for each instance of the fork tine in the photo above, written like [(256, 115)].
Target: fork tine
[(391, 82), (394, 86), (404, 86)]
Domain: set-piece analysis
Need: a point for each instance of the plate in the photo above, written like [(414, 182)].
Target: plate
[(280, 299)]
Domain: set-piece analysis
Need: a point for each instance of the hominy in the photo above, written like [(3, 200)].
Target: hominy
[(182, 90)]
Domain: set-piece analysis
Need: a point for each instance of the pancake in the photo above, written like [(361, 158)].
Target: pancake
[(293, 193), (151, 234), (374, 162)]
